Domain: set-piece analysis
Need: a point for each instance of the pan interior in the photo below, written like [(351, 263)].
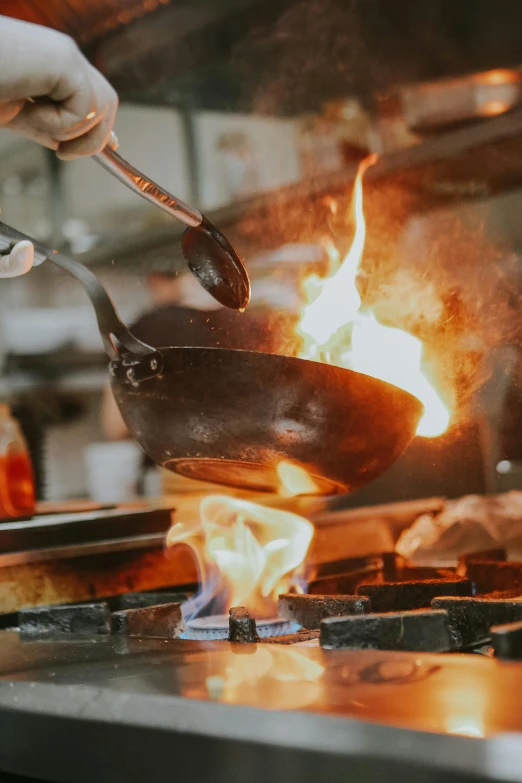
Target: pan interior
[(242, 474)]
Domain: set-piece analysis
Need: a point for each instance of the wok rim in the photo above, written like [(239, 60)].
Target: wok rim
[(370, 378)]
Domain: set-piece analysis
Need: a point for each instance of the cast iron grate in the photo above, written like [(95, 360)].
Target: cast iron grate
[(377, 602), (146, 615), (382, 602)]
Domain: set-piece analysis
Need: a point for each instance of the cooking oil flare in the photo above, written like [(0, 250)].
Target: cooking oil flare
[(335, 328), (294, 480)]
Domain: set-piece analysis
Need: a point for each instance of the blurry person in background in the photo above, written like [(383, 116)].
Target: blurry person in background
[(49, 92)]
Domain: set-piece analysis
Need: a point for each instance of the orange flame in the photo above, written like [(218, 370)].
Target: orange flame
[(335, 329), (492, 108), (248, 554), (294, 480)]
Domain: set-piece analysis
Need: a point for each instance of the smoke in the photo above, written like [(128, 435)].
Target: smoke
[(299, 54), (307, 54), (444, 282), (434, 273)]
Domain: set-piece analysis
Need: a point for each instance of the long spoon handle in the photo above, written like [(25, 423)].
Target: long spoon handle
[(145, 187)]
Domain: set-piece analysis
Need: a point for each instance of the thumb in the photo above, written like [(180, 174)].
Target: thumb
[(19, 261)]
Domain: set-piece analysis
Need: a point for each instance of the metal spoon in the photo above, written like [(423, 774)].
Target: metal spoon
[(208, 253)]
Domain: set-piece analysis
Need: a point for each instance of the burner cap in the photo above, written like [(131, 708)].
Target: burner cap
[(216, 627)]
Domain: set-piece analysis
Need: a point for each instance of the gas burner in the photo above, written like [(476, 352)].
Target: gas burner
[(218, 626)]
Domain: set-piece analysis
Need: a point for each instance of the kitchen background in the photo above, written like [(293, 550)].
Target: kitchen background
[(234, 146)]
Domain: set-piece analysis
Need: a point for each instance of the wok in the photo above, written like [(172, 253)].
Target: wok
[(230, 416)]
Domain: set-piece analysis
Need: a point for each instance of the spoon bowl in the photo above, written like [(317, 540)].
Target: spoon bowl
[(208, 253), (216, 265)]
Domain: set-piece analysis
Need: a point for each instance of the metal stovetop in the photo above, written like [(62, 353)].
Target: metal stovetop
[(129, 709)]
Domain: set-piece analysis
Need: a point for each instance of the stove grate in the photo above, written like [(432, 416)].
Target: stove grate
[(420, 631), (164, 622), (378, 602), (82, 620), (507, 641), (309, 610), (414, 608)]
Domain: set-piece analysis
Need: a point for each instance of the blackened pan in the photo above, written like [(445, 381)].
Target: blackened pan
[(230, 416)]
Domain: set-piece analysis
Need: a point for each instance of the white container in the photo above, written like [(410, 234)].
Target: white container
[(113, 471)]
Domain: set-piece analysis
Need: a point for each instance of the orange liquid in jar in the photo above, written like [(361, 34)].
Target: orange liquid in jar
[(17, 497)]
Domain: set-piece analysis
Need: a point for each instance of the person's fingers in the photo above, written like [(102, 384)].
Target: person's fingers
[(75, 102), (79, 110), (19, 261), (74, 115), (59, 121), (83, 139), (99, 136), (88, 144), (42, 64), (23, 125), (50, 92)]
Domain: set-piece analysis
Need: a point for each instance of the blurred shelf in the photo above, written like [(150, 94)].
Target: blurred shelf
[(473, 162), (131, 247), (81, 382)]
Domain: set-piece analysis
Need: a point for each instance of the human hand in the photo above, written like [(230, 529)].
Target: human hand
[(18, 261), (50, 92)]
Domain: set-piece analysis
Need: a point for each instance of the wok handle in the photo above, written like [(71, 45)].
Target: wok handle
[(9, 237), (112, 330), (139, 361), (111, 327)]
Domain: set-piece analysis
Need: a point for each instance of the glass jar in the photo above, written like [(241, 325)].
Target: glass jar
[(17, 488)]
